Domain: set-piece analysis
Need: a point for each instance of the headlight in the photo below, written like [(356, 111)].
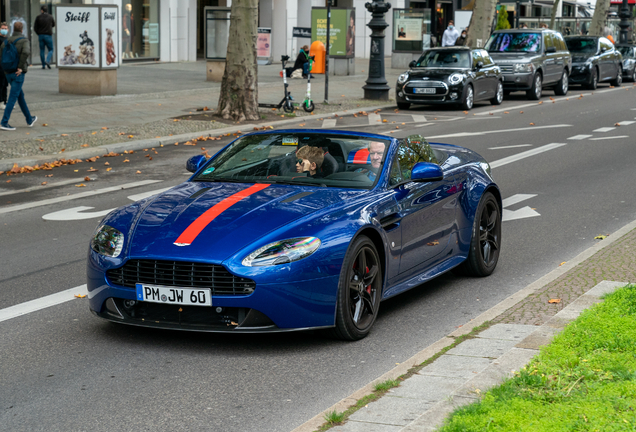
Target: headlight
[(523, 67), (108, 241), (282, 252), (402, 78), (455, 78)]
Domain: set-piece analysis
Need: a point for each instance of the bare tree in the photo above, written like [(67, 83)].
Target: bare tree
[(600, 15), (554, 12), (239, 88), (480, 25)]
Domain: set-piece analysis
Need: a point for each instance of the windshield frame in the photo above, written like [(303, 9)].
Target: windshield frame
[(454, 51), (349, 178)]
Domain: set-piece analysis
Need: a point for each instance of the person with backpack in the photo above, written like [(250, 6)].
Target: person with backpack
[(14, 54)]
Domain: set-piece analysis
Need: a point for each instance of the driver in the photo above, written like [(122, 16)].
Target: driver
[(376, 153), (309, 160)]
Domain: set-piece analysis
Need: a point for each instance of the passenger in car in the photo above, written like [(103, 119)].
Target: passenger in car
[(309, 160)]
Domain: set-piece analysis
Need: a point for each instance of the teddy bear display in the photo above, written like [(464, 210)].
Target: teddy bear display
[(69, 57), (110, 47)]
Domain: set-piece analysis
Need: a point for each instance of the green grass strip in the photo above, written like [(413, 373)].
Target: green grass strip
[(585, 380)]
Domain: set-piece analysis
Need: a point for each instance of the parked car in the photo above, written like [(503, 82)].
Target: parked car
[(629, 61), (531, 60), (594, 60), (450, 75), (251, 244)]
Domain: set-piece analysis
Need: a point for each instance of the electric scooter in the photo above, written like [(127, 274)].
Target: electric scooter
[(286, 103), (308, 104)]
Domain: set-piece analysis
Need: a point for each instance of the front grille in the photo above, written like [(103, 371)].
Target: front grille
[(181, 274), (440, 88), (506, 68)]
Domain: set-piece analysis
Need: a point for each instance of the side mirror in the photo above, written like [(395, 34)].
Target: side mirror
[(426, 172), (412, 64), (479, 65), (603, 49), (550, 49), (195, 162)]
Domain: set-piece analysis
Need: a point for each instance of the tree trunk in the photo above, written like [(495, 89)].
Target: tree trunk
[(600, 15), (480, 25), (554, 12), (239, 88)]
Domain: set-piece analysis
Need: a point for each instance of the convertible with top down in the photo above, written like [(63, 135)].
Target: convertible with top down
[(253, 243)]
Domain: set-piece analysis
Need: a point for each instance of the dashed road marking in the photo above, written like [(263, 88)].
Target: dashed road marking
[(48, 186), (604, 129), (329, 123), (509, 147), (41, 303), (525, 154), (609, 138), (626, 123), (579, 137), (418, 118), (374, 118)]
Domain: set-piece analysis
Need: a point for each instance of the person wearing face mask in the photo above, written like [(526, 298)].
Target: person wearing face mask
[(461, 41), (450, 35), (4, 33)]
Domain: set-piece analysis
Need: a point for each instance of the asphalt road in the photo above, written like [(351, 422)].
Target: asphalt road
[(565, 168)]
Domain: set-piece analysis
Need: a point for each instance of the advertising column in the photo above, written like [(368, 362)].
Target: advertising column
[(87, 49)]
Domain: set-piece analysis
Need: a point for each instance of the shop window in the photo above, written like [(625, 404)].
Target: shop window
[(140, 29)]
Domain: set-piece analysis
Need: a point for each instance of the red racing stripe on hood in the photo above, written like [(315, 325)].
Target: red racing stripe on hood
[(191, 232)]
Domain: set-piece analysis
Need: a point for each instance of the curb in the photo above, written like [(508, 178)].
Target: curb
[(318, 420), (7, 164)]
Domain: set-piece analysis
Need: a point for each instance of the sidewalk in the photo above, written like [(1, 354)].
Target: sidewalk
[(519, 326), (149, 97)]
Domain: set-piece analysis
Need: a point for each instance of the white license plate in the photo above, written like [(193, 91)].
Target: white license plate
[(425, 90), (174, 295)]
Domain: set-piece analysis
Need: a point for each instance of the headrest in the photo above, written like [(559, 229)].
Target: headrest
[(359, 156)]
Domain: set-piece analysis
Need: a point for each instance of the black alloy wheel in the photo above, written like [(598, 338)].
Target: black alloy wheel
[(359, 291), (485, 243)]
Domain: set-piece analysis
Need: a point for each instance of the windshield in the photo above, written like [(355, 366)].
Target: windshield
[(514, 42), (444, 59), (344, 161), (627, 52), (582, 45)]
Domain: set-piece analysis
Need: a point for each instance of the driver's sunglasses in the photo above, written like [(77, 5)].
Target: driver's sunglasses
[(299, 161)]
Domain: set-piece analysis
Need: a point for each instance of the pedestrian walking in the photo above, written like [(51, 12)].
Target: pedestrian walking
[(461, 41), (43, 27), (14, 54), (450, 35), (4, 34)]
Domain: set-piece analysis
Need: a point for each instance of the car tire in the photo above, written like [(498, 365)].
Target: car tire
[(468, 101), (359, 293), (537, 87), (403, 105), (593, 79), (618, 81), (633, 76), (485, 242), (562, 86), (499, 94)]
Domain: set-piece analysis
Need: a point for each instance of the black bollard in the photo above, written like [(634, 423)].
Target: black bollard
[(377, 87)]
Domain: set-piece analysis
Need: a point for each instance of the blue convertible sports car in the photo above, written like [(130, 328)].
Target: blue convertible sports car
[(296, 229)]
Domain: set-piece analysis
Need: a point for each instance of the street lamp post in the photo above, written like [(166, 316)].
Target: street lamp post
[(377, 87), (624, 24)]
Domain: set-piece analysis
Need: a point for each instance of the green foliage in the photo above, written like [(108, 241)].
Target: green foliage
[(334, 418), (502, 19), (386, 385), (584, 380)]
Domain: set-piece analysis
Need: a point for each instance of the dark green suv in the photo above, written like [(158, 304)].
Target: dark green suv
[(531, 60)]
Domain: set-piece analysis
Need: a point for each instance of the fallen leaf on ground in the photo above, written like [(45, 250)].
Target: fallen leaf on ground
[(108, 169), (87, 178), (92, 170), (43, 183), (41, 149), (104, 128), (49, 175), (617, 124), (138, 172), (80, 185), (531, 124), (84, 145), (600, 237), (80, 295), (126, 160), (506, 112), (562, 263), (554, 301)]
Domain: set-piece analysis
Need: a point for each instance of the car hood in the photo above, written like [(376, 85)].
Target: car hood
[(581, 57), (198, 220), (433, 73)]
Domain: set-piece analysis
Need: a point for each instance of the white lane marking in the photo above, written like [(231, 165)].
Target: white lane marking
[(329, 123), (509, 147), (523, 155), (604, 129), (76, 196), (423, 124), (418, 118), (627, 122), (374, 118), (47, 186), (522, 213), (507, 109), (80, 213), (579, 137), (485, 118), (41, 303), (609, 138), (461, 134)]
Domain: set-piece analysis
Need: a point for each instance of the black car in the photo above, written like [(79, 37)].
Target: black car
[(594, 60), (629, 61), (450, 75)]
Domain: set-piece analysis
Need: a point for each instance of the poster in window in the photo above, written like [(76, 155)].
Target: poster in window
[(110, 37)]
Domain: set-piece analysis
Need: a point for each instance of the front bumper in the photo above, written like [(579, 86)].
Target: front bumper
[(444, 94), (517, 81), (581, 74)]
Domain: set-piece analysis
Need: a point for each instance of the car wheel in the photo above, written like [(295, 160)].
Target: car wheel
[(498, 99), (562, 86), (469, 98), (616, 82), (403, 105), (535, 91), (359, 291), (485, 243), (593, 79), (633, 79)]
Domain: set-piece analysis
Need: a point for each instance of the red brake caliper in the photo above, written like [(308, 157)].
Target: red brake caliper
[(369, 286)]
